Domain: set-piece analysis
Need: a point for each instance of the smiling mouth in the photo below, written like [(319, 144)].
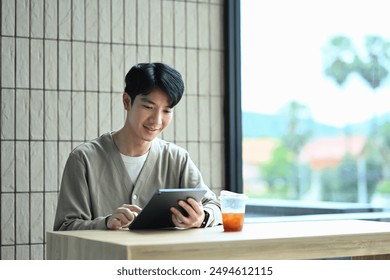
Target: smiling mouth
[(152, 128)]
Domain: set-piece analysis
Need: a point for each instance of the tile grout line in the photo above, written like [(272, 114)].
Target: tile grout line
[(111, 68), (210, 96), (124, 70), (44, 130), (1, 127), (113, 43), (14, 194), (98, 68), (71, 71), (85, 71), (29, 132), (57, 99), (186, 72)]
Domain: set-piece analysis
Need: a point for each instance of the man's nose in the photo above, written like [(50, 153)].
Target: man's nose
[(157, 117)]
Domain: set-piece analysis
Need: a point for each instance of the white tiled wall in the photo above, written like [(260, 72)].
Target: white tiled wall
[(62, 68)]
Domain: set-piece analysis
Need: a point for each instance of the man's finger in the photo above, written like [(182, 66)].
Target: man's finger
[(126, 212), (187, 207), (115, 223), (197, 206), (135, 208)]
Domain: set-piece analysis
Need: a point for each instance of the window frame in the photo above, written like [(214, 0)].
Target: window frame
[(232, 103)]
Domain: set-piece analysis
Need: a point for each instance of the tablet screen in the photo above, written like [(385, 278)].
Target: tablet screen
[(157, 213)]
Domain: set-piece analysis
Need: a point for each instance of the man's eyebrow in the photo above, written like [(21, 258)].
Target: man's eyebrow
[(145, 99)]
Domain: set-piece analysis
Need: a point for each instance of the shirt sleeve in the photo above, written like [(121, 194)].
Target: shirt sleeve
[(191, 177), (73, 208)]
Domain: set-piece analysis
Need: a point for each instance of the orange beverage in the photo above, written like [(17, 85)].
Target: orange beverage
[(232, 221)]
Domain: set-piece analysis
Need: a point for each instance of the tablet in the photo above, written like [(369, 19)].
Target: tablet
[(157, 213)]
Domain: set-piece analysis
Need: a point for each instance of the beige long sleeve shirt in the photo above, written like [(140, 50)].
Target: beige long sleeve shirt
[(95, 182)]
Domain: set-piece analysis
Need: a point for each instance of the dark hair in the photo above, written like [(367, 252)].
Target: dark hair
[(143, 78)]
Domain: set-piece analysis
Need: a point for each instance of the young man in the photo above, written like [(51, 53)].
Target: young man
[(108, 180)]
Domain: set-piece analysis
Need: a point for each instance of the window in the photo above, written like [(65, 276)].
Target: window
[(315, 95)]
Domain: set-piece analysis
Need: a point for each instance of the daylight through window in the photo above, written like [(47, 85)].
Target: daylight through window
[(316, 103)]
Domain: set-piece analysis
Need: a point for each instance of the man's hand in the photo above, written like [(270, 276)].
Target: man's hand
[(123, 216), (195, 214)]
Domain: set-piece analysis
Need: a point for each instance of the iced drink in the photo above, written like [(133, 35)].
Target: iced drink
[(233, 210), (232, 221)]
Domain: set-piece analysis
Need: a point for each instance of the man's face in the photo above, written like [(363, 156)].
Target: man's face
[(149, 115)]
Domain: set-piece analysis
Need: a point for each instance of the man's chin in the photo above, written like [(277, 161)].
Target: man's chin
[(149, 138)]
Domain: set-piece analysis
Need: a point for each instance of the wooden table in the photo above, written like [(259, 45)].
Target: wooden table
[(270, 241)]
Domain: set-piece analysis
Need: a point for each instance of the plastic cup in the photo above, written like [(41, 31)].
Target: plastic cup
[(233, 210)]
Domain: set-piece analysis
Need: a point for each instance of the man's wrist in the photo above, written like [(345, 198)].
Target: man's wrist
[(107, 221), (206, 219)]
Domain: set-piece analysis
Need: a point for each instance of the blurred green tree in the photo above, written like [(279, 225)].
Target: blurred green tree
[(283, 167), (342, 59)]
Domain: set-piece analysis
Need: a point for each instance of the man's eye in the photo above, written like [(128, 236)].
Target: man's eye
[(148, 107)]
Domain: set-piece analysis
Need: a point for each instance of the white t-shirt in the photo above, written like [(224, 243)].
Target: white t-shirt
[(134, 165)]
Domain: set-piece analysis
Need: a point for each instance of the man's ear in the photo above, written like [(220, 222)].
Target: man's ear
[(126, 101)]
